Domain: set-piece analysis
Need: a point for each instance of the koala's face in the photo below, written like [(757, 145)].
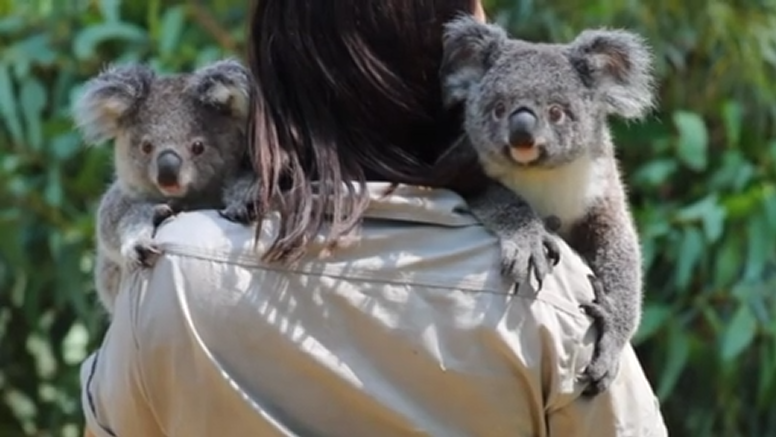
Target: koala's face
[(532, 107), (536, 104), (176, 145), (175, 136)]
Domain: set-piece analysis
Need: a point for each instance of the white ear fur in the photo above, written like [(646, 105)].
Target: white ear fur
[(224, 84), (619, 64), (107, 98), (468, 45)]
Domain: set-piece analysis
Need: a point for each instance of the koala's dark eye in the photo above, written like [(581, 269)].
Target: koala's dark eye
[(499, 110), (146, 147), (556, 113), (197, 147)]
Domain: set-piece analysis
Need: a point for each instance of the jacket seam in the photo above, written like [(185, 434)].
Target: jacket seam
[(243, 260)]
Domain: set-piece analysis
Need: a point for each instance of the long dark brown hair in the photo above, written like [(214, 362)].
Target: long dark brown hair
[(347, 91)]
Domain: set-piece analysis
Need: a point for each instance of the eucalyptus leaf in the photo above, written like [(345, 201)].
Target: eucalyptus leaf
[(33, 100), (678, 354), (171, 30), (739, 333), (653, 318), (691, 249), (8, 105), (693, 141), (111, 10), (87, 40), (732, 116)]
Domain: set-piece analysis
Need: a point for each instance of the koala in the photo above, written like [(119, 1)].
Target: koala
[(179, 143), (535, 116)]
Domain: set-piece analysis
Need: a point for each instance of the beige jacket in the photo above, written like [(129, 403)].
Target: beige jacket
[(408, 332)]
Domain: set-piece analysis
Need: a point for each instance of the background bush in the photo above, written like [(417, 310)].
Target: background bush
[(700, 170)]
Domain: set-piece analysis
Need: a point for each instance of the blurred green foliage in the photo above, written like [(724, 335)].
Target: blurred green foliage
[(701, 172)]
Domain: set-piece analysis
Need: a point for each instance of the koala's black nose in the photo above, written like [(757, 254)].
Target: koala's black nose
[(522, 124), (168, 165)]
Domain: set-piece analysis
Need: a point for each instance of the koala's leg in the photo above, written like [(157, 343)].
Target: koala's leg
[(125, 228), (107, 276), (608, 240), (239, 198), (525, 242)]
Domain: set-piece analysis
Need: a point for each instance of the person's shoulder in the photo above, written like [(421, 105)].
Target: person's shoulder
[(390, 246), (204, 233)]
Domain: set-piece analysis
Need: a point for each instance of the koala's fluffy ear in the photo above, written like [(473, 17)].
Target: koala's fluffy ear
[(223, 84), (107, 98), (469, 48), (619, 64)]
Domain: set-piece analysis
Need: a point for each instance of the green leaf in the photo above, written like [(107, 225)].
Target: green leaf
[(769, 205), (767, 377), (772, 151), (111, 10), (728, 262), (171, 28), (734, 173), (691, 248), (33, 100), (87, 40), (760, 246), (11, 24), (653, 318), (65, 146), (208, 55), (655, 173), (53, 193), (8, 105), (40, 348), (732, 117), (710, 213), (693, 139), (739, 333), (35, 49), (678, 353), (75, 344)]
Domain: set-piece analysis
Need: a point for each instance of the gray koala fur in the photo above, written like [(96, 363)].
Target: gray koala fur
[(179, 143), (536, 117)]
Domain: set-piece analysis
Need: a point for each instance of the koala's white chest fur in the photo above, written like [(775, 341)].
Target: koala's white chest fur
[(566, 192)]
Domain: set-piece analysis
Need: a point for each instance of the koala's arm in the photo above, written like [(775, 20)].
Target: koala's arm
[(608, 240), (525, 242), (125, 226), (239, 196)]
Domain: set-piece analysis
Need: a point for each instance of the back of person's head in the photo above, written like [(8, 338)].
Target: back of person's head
[(347, 91)]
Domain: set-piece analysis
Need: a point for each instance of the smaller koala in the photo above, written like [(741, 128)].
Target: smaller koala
[(179, 143), (536, 117)]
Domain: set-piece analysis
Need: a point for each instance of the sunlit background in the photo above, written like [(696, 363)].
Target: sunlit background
[(700, 170)]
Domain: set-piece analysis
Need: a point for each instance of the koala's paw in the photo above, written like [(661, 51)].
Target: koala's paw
[(602, 369), (140, 253), (529, 251), (162, 212), (241, 212)]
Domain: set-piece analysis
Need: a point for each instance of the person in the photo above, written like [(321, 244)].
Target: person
[(367, 302)]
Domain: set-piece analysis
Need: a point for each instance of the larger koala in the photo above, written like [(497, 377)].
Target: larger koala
[(179, 143), (536, 116)]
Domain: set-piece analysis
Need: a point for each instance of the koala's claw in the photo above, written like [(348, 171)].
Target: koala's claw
[(142, 253), (529, 253), (242, 213), (553, 250), (162, 212), (602, 369)]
